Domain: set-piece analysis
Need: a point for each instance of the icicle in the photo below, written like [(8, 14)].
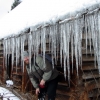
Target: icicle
[(19, 42), (37, 41), (30, 48), (72, 45), (57, 39), (34, 44), (68, 33), (4, 51), (89, 33), (61, 29), (8, 50), (86, 30), (80, 27), (65, 49), (93, 35), (95, 39), (65, 68), (22, 50), (52, 43), (44, 44), (13, 50), (55, 43), (99, 41), (76, 43), (17, 51), (49, 40), (80, 37), (4, 44)]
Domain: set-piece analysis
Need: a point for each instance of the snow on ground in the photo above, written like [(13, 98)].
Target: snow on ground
[(7, 95)]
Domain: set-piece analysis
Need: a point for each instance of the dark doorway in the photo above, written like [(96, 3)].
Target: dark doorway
[(9, 66)]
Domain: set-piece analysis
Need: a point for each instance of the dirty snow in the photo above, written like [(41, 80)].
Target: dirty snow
[(5, 94)]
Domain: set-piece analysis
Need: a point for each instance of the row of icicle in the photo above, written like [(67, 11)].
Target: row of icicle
[(65, 37)]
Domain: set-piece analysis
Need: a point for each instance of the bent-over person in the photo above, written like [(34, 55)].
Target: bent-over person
[(43, 79)]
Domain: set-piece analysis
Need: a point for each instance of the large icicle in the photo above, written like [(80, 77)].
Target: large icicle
[(75, 42), (61, 45), (72, 45), (33, 44), (5, 52), (8, 49), (23, 38), (65, 53), (53, 43), (17, 51), (13, 49), (98, 41), (57, 40), (44, 43), (80, 27), (30, 48)]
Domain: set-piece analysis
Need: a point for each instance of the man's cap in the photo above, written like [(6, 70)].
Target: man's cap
[(26, 54)]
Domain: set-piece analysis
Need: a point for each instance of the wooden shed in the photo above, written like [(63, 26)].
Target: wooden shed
[(70, 37)]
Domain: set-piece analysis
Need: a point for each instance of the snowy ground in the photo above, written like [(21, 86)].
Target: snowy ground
[(5, 94)]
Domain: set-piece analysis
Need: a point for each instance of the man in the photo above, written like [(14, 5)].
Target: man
[(44, 79)]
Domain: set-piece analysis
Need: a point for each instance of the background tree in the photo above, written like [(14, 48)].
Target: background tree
[(15, 3)]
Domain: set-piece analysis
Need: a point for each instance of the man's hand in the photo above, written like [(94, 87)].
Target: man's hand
[(42, 82), (37, 91)]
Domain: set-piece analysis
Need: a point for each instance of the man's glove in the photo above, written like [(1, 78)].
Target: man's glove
[(41, 86)]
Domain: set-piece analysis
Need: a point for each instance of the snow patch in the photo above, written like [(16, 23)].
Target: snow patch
[(7, 95)]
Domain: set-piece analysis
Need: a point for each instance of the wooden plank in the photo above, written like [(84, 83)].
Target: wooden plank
[(17, 79), (16, 86), (63, 84), (1, 65), (93, 84), (90, 76), (24, 79), (87, 58), (88, 52), (17, 73), (1, 57), (18, 67), (94, 94), (87, 67)]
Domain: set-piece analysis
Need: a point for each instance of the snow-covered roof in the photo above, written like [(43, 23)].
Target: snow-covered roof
[(35, 13)]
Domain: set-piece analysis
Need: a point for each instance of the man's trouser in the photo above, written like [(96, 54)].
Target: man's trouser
[(50, 90)]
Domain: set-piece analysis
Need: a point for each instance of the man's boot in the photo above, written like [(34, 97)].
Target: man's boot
[(41, 96), (41, 99), (51, 98)]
